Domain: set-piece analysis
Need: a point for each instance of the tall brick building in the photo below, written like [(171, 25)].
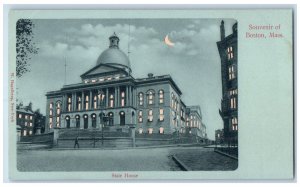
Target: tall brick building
[(228, 50)]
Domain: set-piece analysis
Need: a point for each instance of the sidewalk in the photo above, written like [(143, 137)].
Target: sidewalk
[(203, 159)]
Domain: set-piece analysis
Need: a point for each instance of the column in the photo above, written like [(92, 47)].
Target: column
[(107, 96), (115, 99), (130, 95), (72, 107), (82, 103), (126, 96), (75, 101), (118, 98), (63, 109), (91, 99)]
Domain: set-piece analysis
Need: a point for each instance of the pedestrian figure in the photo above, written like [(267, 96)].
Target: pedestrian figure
[(76, 143)]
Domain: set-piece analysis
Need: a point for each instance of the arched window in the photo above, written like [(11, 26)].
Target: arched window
[(111, 100), (68, 121), (58, 110), (102, 116), (122, 118), (150, 97), (111, 119), (161, 96), (141, 99), (140, 131), (93, 120), (101, 97)]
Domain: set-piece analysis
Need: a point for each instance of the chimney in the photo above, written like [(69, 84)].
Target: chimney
[(222, 30)]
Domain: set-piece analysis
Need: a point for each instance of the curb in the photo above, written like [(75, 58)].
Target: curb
[(181, 164), (225, 154)]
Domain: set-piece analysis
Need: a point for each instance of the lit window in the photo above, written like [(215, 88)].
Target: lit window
[(140, 131), (50, 122), (161, 96), (231, 72), (172, 101), (150, 115), (86, 81), (161, 114), (101, 79), (233, 103), (141, 99), (150, 98), (26, 116), (30, 124), (108, 78), (111, 100), (150, 130), (20, 115), (234, 123), (161, 130), (30, 132), (25, 123), (50, 112), (86, 102), (79, 103), (24, 133), (229, 53), (140, 116), (69, 103), (117, 77), (30, 117), (93, 80), (122, 98)]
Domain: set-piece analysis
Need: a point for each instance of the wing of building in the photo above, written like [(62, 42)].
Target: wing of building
[(228, 51), (109, 96)]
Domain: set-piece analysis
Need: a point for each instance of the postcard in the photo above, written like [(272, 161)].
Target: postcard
[(150, 94)]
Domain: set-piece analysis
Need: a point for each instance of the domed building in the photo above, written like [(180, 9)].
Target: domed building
[(110, 98)]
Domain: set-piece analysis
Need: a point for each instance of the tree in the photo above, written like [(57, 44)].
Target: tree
[(39, 121), (25, 46)]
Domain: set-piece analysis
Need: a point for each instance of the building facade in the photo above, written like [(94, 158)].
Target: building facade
[(110, 96), (25, 121), (219, 136), (228, 50)]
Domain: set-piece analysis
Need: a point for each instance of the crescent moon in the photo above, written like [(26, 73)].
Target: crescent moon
[(168, 41)]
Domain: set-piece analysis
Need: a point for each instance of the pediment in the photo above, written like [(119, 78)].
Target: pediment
[(102, 69)]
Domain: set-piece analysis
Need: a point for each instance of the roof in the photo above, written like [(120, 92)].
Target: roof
[(24, 111)]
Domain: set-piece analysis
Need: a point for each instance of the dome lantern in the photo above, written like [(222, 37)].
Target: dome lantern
[(114, 41)]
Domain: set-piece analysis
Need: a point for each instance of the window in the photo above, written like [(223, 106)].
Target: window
[(24, 133), (150, 115), (233, 103), (101, 97), (26, 116), (233, 92), (234, 123), (86, 102), (150, 130), (50, 122), (231, 72), (30, 124), (140, 131), (58, 108), (25, 123), (95, 102), (140, 116), (20, 115), (94, 80), (86, 81), (79, 103), (161, 130), (69, 103), (108, 78), (30, 132), (123, 98), (51, 105), (161, 114), (30, 117), (141, 99), (229, 53), (161, 96), (172, 101), (101, 79), (150, 97), (111, 100)]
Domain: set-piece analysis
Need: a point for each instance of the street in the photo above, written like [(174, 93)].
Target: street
[(142, 159)]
